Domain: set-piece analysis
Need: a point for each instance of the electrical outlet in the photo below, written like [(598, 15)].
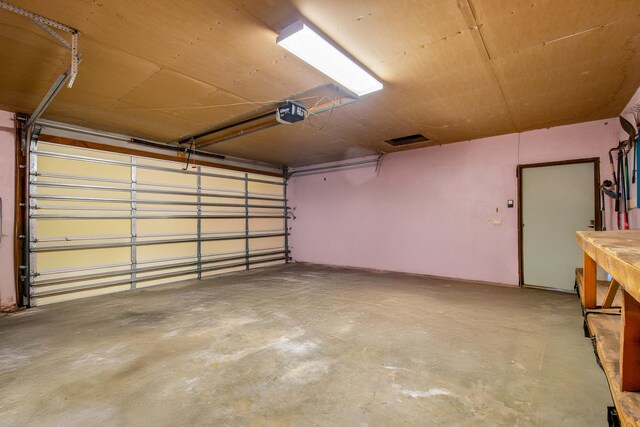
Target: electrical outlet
[(497, 221)]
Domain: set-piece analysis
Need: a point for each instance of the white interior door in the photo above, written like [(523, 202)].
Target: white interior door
[(556, 202)]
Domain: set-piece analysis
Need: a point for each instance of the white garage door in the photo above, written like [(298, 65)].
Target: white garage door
[(102, 222)]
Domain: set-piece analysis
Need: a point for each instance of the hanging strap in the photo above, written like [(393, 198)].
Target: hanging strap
[(635, 169), (635, 159), (616, 183), (627, 186)]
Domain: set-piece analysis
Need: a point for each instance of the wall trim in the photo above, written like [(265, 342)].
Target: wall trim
[(427, 276)]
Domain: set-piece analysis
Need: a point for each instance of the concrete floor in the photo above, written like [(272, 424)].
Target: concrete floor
[(304, 345)]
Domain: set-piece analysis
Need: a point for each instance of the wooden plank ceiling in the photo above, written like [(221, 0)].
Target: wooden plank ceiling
[(453, 70)]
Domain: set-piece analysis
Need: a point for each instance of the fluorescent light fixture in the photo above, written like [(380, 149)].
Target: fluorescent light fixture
[(309, 46)]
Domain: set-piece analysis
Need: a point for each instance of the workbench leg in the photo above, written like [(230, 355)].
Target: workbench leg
[(589, 282), (611, 294), (630, 344)]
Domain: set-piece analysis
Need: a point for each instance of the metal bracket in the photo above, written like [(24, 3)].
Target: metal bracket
[(48, 98), (46, 25), (35, 133), (36, 17), (75, 58), (52, 33)]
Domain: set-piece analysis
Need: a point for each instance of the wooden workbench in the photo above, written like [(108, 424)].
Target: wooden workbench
[(618, 253)]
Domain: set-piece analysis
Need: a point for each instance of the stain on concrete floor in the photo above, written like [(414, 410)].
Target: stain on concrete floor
[(303, 345)]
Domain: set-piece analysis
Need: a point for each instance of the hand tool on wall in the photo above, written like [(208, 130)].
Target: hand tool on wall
[(636, 160), (605, 190), (623, 189), (630, 129), (634, 144), (616, 187)]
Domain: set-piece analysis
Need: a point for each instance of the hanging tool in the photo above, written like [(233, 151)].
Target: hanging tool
[(605, 189), (623, 190), (627, 145), (613, 169), (627, 186), (619, 190), (616, 186), (636, 157), (636, 160), (630, 129)]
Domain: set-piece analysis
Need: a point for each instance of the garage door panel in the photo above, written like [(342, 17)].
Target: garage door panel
[(173, 275), (269, 264), (81, 258), (223, 247), (77, 203), (51, 299), (266, 223), (45, 288), (166, 193), (224, 226), (274, 190), (233, 184), (81, 167), (168, 174), (91, 195), (81, 152), (81, 227), (220, 269), (79, 161), (166, 226), (266, 243), (153, 252)]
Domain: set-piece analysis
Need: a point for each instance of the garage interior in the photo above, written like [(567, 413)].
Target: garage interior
[(319, 213)]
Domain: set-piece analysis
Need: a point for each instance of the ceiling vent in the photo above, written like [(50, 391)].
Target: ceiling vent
[(406, 140)]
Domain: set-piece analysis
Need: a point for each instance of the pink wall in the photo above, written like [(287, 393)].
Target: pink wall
[(432, 210), (7, 193)]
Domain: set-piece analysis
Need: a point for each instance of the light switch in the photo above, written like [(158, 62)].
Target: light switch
[(510, 203)]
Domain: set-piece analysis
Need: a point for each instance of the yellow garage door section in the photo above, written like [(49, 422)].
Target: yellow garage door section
[(103, 222)]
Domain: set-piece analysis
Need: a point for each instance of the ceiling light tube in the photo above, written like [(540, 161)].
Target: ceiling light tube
[(312, 48)]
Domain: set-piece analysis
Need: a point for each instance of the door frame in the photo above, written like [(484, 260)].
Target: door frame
[(596, 197)]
